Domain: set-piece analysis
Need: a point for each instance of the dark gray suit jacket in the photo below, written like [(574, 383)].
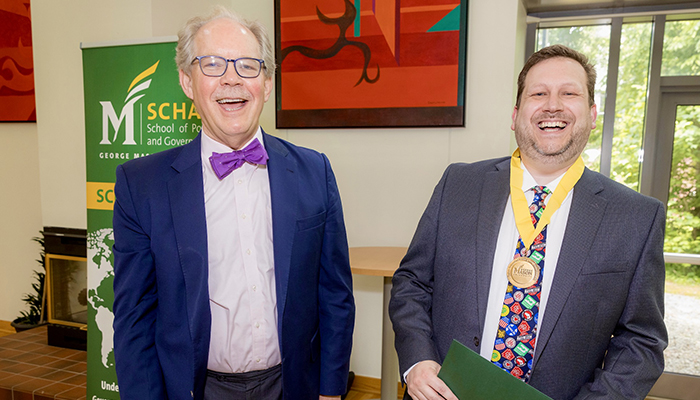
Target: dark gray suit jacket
[(603, 333)]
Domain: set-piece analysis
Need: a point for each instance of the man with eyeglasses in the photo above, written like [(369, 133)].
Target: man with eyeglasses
[(232, 278)]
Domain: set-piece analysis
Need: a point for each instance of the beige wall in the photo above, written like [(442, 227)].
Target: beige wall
[(385, 176), (20, 214)]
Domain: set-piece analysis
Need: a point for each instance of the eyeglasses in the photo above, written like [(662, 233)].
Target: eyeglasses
[(246, 67)]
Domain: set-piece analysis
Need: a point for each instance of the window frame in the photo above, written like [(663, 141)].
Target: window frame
[(655, 145)]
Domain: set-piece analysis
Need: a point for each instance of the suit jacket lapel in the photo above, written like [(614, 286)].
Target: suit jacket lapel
[(284, 194), (186, 195), (494, 196), (585, 216)]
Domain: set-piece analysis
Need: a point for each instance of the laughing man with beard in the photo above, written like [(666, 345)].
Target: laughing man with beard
[(552, 272)]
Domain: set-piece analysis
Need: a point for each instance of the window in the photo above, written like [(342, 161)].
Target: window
[(648, 138), (633, 78), (681, 48)]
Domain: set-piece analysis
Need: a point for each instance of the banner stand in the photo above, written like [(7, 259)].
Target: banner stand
[(134, 107)]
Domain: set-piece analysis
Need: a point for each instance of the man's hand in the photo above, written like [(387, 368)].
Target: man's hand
[(322, 397), (424, 384)]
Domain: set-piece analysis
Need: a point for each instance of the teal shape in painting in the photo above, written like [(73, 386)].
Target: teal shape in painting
[(449, 23)]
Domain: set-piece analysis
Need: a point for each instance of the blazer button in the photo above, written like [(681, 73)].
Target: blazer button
[(476, 341)]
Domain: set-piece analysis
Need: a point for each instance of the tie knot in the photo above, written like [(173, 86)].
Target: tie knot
[(541, 192), (540, 189)]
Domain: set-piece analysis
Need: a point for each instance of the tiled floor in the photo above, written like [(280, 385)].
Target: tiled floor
[(32, 370)]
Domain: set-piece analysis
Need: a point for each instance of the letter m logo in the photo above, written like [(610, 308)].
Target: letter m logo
[(126, 117), (109, 117)]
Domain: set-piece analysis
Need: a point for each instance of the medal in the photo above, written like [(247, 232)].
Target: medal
[(523, 272)]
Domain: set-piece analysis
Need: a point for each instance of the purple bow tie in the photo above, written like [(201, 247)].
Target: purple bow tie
[(224, 163)]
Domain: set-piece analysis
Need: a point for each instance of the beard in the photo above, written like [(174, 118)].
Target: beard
[(551, 152)]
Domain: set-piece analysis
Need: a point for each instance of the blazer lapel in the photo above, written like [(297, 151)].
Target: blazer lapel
[(494, 196), (284, 194), (585, 216), (186, 194)]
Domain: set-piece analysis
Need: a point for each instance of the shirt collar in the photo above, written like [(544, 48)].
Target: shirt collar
[(529, 181)]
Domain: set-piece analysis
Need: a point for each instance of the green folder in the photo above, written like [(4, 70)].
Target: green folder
[(472, 377)]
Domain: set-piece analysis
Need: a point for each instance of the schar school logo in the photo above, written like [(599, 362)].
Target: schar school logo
[(109, 115)]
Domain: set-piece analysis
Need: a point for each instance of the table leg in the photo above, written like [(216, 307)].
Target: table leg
[(390, 361)]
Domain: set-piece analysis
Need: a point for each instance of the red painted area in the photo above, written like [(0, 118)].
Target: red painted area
[(307, 8), (421, 21), (423, 3), (17, 102), (424, 73), (401, 87), (416, 49), (386, 17)]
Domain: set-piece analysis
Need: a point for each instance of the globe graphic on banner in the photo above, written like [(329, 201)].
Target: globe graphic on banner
[(100, 290)]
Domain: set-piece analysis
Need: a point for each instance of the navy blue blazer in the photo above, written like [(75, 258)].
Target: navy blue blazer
[(162, 317), (602, 335)]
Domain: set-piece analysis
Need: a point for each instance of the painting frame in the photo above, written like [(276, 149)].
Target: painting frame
[(424, 70)]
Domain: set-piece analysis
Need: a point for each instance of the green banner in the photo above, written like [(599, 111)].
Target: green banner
[(134, 106)]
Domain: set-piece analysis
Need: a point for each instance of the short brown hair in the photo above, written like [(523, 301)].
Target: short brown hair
[(553, 51), (185, 39)]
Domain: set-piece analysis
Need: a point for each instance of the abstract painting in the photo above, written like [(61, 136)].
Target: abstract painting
[(370, 63), (16, 64)]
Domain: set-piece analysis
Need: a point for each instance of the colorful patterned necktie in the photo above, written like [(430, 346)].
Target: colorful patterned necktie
[(517, 327), (224, 163)]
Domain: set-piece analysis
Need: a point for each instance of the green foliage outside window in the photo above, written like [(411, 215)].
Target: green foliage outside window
[(681, 56), (630, 104), (683, 214), (681, 48)]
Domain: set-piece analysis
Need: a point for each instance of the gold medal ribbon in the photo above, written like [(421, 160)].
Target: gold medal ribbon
[(523, 221)]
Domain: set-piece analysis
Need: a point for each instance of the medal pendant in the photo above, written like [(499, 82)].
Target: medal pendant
[(523, 272)]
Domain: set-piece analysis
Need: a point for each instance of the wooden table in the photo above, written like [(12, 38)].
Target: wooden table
[(382, 261)]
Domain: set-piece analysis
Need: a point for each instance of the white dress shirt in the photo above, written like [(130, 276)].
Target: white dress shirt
[(505, 250), (242, 292)]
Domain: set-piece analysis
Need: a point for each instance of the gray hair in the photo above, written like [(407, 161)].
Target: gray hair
[(185, 39)]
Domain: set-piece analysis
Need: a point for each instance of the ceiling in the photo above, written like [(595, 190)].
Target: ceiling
[(537, 6)]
